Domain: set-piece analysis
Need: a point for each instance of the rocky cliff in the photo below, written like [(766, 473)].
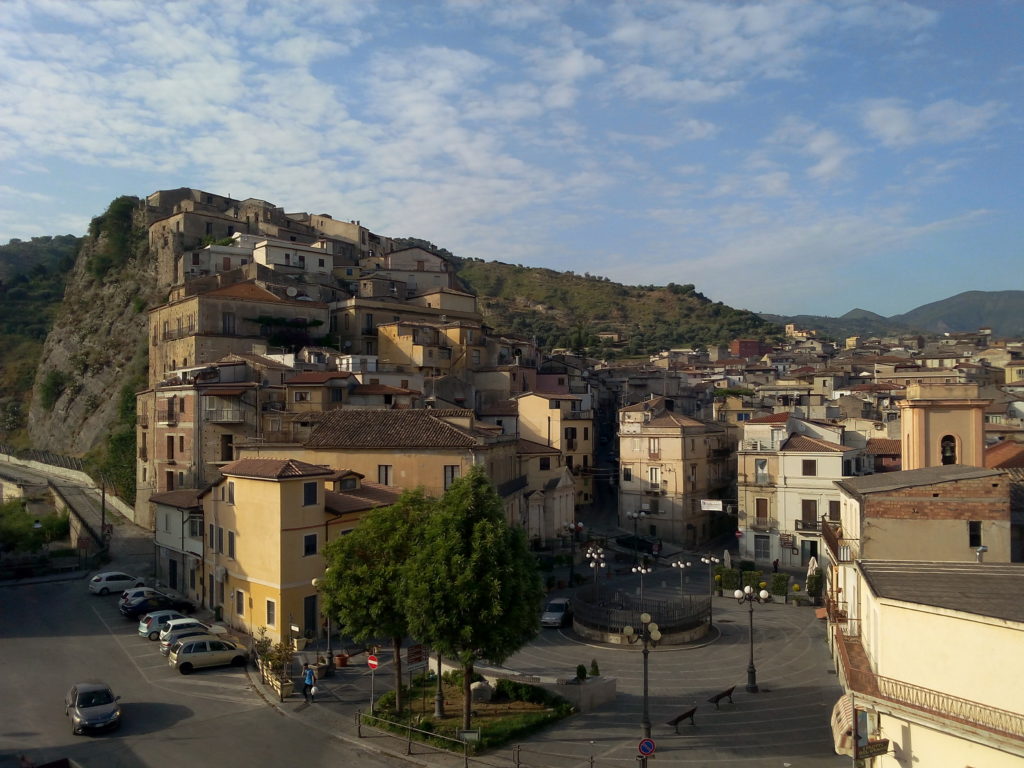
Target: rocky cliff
[(96, 349)]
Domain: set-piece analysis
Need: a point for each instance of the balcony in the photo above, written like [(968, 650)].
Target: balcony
[(808, 525), (949, 711), (166, 416), (654, 455), (142, 420), (179, 333), (841, 551), (763, 524), (758, 445), (225, 416), (571, 415)]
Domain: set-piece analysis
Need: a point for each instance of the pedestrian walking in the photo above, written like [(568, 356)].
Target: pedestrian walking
[(775, 565), (308, 683)]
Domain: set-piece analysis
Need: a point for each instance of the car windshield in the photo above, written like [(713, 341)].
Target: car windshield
[(555, 608), (94, 698)]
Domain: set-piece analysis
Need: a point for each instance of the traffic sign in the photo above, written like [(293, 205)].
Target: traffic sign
[(371, 661), (646, 746), (739, 534)]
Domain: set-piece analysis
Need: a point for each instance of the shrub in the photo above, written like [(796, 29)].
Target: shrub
[(752, 579), (594, 670), (814, 583), (510, 690), (730, 579), (53, 386), (581, 671), (747, 565), (780, 581)]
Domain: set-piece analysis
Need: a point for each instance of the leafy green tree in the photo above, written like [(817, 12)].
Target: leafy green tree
[(476, 590), (366, 581)]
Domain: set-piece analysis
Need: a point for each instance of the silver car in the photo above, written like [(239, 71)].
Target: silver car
[(113, 581), (92, 706), (206, 651), (176, 625), (151, 624), (168, 642)]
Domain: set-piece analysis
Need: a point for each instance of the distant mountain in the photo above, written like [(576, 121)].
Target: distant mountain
[(1002, 311)]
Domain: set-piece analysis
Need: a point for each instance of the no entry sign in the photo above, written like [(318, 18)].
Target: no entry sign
[(371, 661)]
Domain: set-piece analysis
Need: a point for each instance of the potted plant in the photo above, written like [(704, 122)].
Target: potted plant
[(261, 645), (279, 657)]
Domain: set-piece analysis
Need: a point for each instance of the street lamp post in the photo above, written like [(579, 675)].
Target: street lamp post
[(749, 596), (572, 529), (650, 635), (682, 566), (711, 562), (327, 616), (643, 569), (595, 555), (636, 516)]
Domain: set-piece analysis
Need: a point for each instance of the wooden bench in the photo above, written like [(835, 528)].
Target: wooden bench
[(726, 694), (687, 715)]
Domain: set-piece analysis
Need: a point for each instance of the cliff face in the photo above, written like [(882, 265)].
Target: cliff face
[(97, 344)]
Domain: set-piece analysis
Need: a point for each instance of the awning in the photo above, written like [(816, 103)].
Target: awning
[(842, 725)]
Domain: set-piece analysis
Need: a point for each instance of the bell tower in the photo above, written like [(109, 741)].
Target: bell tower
[(942, 424)]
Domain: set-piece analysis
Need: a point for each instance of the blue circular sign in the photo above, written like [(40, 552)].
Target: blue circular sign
[(646, 747)]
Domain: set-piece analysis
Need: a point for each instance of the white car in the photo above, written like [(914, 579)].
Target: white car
[(113, 581), (205, 651), (176, 625), (151, 624), (136, 592)]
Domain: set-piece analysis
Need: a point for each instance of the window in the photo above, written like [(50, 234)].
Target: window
[(451, 474), (636, 444), (302, 397), (384, 474), (309, 495), (545, 462), (627, 474), (227, 323), (167, 522), (181, 443), (810, 467), (760, 471), (271, 613), (231, 544), (654, 446), (808, 510), (195, 528), (586, 433), (170, 447), (211, 537), (475, 356), (948, 448), (974, 533), (231, 492), (761, 512), (654, 475), (309, 545), (220, 541), (833, 511), (762, 548), (239, 602)]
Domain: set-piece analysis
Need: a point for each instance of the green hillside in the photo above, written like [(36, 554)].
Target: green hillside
[(34, 273), (564, 309)]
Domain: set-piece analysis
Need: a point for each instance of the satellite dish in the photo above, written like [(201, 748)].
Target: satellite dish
[(291, 291)]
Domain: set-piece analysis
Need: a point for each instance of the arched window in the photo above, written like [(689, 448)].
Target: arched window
[(948, 449)]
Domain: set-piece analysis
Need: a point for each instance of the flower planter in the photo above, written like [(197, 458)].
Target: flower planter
[(283, 688), (298, 643), (341, 660)]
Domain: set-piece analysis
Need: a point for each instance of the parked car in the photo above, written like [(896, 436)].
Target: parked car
[(136, 592), (205, 651), (645, 544), (557, 613), (144, 605), (113, 581), (176, 625), (91, 706), (168, 642), (151, 624)]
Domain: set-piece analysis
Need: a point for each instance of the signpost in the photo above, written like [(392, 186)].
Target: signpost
[(646, 747), (371, 662)]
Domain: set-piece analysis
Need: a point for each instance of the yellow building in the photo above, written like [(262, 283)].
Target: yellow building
[(565, 422), (929, 654), (667, 464), (942, 424), (266, 522), (550, 491)]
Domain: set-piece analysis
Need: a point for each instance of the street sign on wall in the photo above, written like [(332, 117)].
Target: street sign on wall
[(710, 505)]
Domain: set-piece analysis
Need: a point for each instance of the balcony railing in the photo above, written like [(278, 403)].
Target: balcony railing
[(763, 524), (225, 416), (179, 333), (808, 525), (166, 416), (758, 445), (841, 551), (142, 419), (571, 415)]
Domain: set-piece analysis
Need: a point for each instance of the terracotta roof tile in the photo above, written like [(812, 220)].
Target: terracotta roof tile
[(183, 498), (805, 444), (367, 496), (344, 428), (500, 408), (318, 377), (1006, 454), (884, 446), (775, 418), (273, 469), (529, 446), (381, 389)]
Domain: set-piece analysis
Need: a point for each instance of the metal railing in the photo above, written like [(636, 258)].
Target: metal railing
[(617, 610), (763, 523), (179, 333), (225, 416), (166, 416), (807, 525)]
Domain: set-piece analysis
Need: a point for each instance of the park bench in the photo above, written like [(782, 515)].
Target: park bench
[(687, 715), (726, 694)]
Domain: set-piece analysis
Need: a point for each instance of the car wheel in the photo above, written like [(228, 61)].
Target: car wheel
[(104, 591), (185, 669), (238, 661), (154, 635)]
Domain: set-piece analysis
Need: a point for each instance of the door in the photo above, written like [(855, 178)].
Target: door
[(172, 574), (310, 616), (808, 549)]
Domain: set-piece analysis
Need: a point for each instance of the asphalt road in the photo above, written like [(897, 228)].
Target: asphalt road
[(52, 635)]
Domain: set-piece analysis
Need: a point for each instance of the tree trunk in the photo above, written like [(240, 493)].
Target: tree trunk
[(467, 697), (397, 644)]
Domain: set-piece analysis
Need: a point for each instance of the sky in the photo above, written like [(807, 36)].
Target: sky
[(787, 157)]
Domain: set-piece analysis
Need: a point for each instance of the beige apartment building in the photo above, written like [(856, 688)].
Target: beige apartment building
[(550, 494), (668, 464), (942, 424)]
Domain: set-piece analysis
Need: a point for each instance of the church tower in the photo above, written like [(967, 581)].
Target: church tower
[(943, 424)]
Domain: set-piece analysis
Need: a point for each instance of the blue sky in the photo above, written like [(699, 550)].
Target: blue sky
[(790, 157)]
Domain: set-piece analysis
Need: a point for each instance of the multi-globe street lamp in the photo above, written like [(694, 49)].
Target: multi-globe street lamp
[(682, 565), (595, 555), (643, 568), (572, 529), (636, 516), (749, 596), (710, 561), (650, 635)]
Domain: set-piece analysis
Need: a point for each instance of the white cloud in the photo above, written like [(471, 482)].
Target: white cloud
[(897, 125), (827, 150)]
